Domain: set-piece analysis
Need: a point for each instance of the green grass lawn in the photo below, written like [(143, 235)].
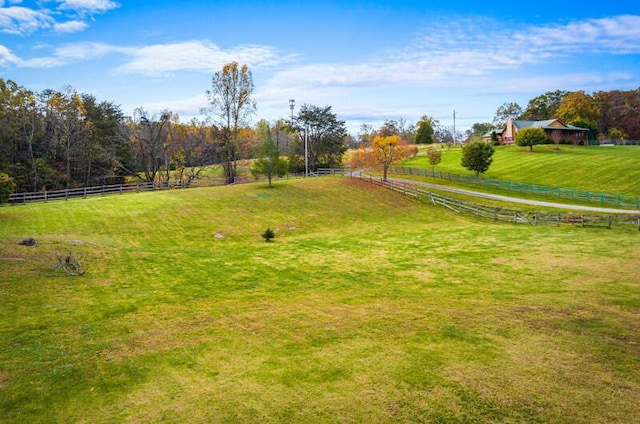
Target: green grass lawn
[(367, 307), (609, 169)]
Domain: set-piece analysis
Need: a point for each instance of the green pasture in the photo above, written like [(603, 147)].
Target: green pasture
[(366, 307), (609, 169)]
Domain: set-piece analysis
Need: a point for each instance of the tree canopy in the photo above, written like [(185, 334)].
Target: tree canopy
[(580, 107), (424, 133), (325, 136), (531, 137), (268, 163), (231, 101), (506, 111), (477, 156), (544, 106)]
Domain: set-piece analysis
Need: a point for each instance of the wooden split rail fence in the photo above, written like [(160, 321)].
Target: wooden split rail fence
[(619, 200), (44, 196), (506, 215)]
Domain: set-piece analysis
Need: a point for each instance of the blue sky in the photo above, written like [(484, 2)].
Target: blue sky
[(370, 60)]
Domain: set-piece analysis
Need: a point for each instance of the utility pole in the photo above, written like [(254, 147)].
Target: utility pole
[(306, 151), (454, 127), (292, 105)]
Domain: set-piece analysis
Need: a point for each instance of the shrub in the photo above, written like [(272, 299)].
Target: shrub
[(530, 137), (268, 235)]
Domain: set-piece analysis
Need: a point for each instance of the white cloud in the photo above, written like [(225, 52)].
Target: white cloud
[(7, 58), (22, 20), (460, 52), (88, 6), (87, 51), (70, 26), (69, 16), (161, 60), (194, 55)]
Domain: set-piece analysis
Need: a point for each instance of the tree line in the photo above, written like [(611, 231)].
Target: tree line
[(59, 139), (609, 115)]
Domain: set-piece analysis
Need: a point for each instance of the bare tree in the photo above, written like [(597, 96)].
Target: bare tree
[(150, 136), (232, 103), (66, 116)]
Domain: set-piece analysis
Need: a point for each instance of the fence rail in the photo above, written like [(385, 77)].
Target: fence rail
[(507, 215), (547, 191), (44, 196)]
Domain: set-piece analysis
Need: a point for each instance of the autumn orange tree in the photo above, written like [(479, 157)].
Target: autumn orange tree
[(387, 150), (579, 109)]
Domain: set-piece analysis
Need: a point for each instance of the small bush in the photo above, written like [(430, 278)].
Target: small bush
[(268, 235)]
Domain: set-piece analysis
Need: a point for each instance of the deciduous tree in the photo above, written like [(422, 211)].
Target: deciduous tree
[(531, 137), (69, 126), (387, 150), (480, 128), (231, 101), (579, 107), (150, 138), (544, 106), (435, 156), (6, 187), (325, 138), (269, 163), (477, 156), (424, 133), (507, 110)]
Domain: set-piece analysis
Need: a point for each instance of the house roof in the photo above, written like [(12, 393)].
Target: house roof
[(546, 125), (498, 131)]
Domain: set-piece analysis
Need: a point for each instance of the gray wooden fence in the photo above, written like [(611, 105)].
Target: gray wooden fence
[(507, 215), (44, 196), (547, 191)]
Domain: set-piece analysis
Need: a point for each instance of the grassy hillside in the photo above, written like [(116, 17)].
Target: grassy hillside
[(610, 169), (367, 307)]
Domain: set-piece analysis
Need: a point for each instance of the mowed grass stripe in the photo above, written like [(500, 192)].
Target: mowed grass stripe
[(608, 169), (367, 307)]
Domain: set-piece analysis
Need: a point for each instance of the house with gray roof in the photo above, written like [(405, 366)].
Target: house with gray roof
[(556, 130)]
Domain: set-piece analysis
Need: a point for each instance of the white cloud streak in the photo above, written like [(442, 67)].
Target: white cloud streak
[(195, 55), (160, 60), (461, 51), (7, 58)]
